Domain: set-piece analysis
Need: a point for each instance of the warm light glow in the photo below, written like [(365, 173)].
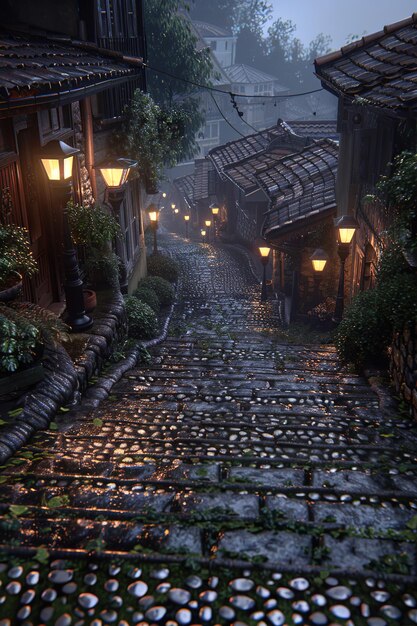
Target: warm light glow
[(153, 216), (346, 227), (208, 223), (319, 265), (164, 194), (176, 211), (113, 176), (172, 206), (203, 233), (264, 251), (215, 210), (186, 217), (346, 234), (52, 168)]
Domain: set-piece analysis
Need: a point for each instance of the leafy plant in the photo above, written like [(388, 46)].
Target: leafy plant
[(163, 289), (50, 326), (93, 228), (366, 330), (19, 343), (142, 321), (15, 254), (149, 297), (24, 328), (164, 266)]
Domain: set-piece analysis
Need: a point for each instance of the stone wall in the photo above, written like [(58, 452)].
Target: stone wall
[(403, 366)]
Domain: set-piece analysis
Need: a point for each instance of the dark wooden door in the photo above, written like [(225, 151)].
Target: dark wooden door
[(44, 286)]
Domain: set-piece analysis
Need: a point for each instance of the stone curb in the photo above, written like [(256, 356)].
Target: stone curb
[(101, 390), (64, 381)]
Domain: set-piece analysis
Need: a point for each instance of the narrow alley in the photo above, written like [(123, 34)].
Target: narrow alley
[(235, 478)]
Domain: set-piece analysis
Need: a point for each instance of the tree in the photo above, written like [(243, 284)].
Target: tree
[(175, 67)]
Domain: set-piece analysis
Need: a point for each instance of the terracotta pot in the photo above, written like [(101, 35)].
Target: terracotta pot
[(90, 299), (13, 289)]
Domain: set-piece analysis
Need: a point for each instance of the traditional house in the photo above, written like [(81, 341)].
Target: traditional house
[(238, 163), (57, 85), (374, 79)]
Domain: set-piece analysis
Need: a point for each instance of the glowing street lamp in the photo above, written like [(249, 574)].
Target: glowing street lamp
[(203, 234), (319, 260), (264, 251), (173, 206), (346, 227), (215, 212), (153, 213), (186, 220), (176, 211), (57, 159), (207, 224), (115, 173)]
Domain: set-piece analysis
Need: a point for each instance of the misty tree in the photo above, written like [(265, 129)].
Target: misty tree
[(174, 64), (235, 15)]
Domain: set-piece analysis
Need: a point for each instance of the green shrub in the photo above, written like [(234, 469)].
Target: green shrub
[(163, 289), (164, 266), (143, 323), (19, 344), (366, 331), (363, 335), (149, 297)]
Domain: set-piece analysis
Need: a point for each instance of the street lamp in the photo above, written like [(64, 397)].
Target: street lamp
[(186, 220), (115, 173), (203, 234), (346, 227), (173, 206), (264, 251), (176, 211), (207, 224), (318, 259), (57, 159), (215, 212), (153, 213)]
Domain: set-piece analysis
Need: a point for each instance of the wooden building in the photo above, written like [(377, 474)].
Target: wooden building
[(66, 75)]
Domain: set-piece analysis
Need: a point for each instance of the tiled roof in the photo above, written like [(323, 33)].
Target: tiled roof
[(235, 151), (40, 68), (315, 129), (301, 185), (201, 179), (210, 30), (243, 173), (185, 185), (249, 75), (380, 68)]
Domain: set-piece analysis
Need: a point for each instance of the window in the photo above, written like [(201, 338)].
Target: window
[(54, 121), (130, 223), (213, 45), (225, 45)]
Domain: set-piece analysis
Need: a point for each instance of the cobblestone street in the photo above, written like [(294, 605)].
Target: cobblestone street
[(233, 479)]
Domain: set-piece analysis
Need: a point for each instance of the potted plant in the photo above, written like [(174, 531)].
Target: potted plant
[(24, 330), (16, 259), (93, 229)]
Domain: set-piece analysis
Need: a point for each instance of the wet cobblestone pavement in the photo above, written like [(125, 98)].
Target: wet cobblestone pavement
[(232, 480)]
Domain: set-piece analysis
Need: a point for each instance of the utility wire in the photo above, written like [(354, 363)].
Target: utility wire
[(225, 118), (230, 93)]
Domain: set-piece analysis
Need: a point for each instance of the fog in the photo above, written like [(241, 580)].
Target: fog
[(341, 20)]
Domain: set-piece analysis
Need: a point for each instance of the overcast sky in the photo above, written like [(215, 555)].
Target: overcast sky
[(341, 18)]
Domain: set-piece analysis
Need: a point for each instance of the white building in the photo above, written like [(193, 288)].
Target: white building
[(221, 42)]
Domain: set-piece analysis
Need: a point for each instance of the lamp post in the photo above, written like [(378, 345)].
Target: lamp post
[(318, 259), (115, 173), (153, 213), (57, 159), (264, 251), (186, 220), (207, 224), (203, 234), (215, 212), (346, 227)]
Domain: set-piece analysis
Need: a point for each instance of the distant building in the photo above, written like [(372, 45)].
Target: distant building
[(221, 42)]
